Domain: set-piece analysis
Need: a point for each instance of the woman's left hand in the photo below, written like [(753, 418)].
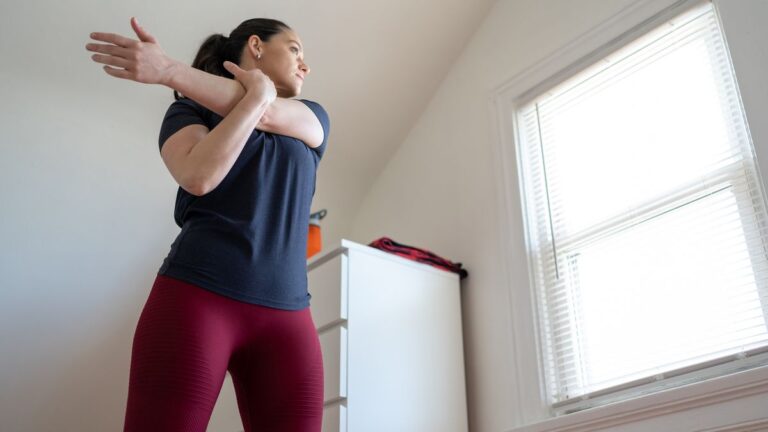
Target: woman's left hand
[(140, 60)]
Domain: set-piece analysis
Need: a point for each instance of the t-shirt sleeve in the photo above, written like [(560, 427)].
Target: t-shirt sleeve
[(325, 122), (181, 113)]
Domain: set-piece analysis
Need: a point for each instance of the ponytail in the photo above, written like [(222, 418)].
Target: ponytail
[(217, 48)]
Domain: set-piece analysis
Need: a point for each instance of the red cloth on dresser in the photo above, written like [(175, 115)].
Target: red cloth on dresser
[(421, 255)]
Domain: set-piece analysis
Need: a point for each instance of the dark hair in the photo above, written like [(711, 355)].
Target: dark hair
[(217, 48)]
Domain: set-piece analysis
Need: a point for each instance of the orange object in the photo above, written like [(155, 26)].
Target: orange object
[(314, 239)]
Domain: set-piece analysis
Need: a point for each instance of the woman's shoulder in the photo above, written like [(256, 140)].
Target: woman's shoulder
[(311, 103), (319, 111), (186, 103), (187, 106)]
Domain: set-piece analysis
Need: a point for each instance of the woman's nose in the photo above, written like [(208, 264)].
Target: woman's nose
[(305, 68)]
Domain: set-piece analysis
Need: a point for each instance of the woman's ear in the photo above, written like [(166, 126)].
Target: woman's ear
[(255, 46)]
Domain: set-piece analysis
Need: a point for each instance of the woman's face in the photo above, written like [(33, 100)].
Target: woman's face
[(282, 60)]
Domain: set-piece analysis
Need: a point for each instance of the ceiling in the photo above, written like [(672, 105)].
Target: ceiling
[(375, 66)]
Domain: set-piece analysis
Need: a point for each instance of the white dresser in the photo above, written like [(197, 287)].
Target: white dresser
[(390, 330)]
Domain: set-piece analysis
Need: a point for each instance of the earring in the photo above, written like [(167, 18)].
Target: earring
[(259, 57)]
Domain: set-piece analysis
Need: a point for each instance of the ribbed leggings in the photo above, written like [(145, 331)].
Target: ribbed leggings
[(187, 338)]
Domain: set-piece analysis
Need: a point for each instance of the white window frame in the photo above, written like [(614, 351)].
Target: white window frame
[(530, 404)]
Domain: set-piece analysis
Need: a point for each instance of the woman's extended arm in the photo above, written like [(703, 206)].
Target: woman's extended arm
[(218, 94), (144, 61)]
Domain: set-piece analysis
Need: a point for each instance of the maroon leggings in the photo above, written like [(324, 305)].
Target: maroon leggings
[(188, 337)]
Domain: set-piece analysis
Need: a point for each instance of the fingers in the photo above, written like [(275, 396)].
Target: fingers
[(232, 68), (111, 60), (119, 73), (143, 35), (108, 49), (114, 39)]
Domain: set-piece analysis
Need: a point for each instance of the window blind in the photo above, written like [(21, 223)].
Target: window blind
[(645, 216)]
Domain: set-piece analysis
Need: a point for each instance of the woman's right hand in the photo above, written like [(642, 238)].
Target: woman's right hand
[(140, 60), (255, 82)]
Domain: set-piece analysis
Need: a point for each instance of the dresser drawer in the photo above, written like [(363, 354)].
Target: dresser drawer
[(327, 284), (333, 342), (335, 418)]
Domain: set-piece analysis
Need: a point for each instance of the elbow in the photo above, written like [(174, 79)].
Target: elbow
[(195, 186), (193, 189), (196, 191), (319, 138)]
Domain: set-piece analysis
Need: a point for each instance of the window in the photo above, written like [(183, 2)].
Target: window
[(646, 219)]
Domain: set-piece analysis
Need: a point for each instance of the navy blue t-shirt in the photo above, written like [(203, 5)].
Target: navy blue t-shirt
[(247, 238)]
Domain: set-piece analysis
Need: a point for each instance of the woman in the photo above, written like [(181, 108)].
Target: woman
[(232, 293)]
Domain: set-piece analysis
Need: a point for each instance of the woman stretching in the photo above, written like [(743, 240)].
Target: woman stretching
[(231, 295)]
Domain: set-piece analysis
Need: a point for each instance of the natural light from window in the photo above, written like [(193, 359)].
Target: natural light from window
[(645, 215)]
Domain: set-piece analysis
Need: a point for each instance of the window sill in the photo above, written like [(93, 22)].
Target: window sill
[(730, 403)]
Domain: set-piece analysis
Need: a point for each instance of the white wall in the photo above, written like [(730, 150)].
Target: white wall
[(87, 215), (440, 192), (87, 204)]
